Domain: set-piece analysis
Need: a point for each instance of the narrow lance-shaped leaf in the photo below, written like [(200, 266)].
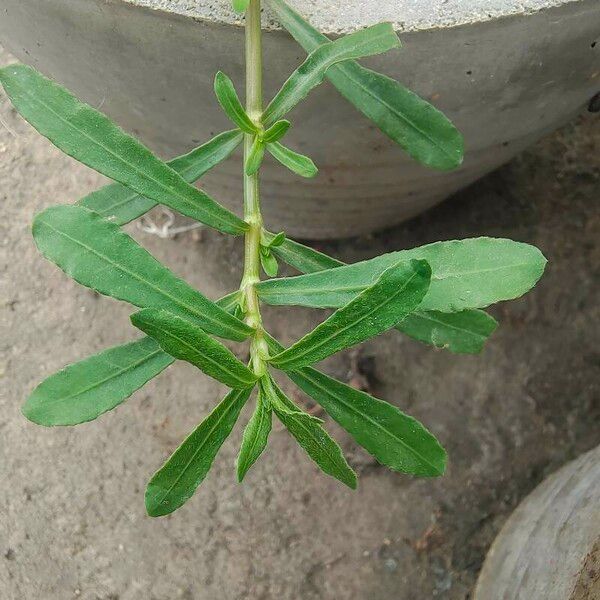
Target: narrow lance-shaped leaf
[(472, 273), (411, 122), (230, 103), (121, 204), (97, 254), (173, 484), (255, 157), (85, 390), (373, 40), (276, 131), (463, 332), (303, 258), (186, 341), (310, 435), (397, 292), (90, 137), (255, 436), (392, 437), (230, 302), (269, 263), (273, 240), (297, 163)]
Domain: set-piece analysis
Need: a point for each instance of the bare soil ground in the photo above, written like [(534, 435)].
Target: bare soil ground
[(72, 520)]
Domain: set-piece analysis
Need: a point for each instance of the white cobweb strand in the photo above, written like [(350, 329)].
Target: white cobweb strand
[(165, 229)]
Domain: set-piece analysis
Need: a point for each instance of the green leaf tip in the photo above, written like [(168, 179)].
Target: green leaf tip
[(394, 295), (185, 340), (90, 137), (395, 439), (256, 435), (98, 254), (276, 131), (309, 433), (297, 163), (87, 389), (370, 41), (466, 274), (255, 157), (230, 103), (177, 480), (420, 129), (274, 241), (269, 263)]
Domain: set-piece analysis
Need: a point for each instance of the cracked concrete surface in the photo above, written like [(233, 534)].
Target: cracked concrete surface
[(72, 524)]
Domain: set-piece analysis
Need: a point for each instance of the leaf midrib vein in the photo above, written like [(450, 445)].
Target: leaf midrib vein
[(317, 73), (117, 373), (214, 362), (339, 332), (262, 416), (426, 317), (332, 460), (145, 281), (306, 373), (209, 434), (347, 71), (143, 174), (185, 173), (271, 285)]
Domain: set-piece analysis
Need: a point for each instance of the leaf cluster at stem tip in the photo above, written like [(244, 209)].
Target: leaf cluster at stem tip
[(434, 294)]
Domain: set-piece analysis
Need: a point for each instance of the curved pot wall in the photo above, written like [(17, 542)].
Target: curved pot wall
[(504, 82), (550, 546)]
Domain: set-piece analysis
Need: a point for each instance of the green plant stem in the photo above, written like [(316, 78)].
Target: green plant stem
[(252, 214)]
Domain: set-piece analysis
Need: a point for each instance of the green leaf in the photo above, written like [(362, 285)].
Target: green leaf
[(303, 258), (121, 204), (472, 273), (274, 241), (85, 390), (230, 103), (370, 41), (411, 122), (87, 135), (230, 302), (240, 5), (310, 435), (392, 437), (97, 254), (397, 292), (177, 480), (276, 131), (269, 264), (463, 332), (297, 163), (255, 156), (186, 341), (255, 437)]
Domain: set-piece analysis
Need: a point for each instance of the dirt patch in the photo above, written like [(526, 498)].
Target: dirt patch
[(588, 584)]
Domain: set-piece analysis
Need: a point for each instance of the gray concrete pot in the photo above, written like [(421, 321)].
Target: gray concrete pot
[(505, 72), (549, 549)]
